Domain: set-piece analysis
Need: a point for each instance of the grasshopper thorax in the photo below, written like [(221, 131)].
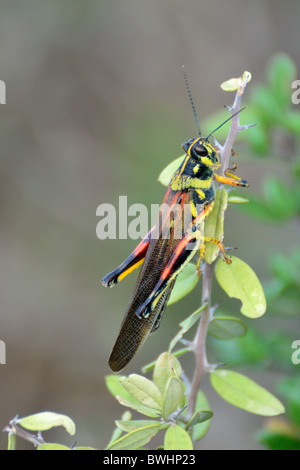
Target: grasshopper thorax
[(201, 151)]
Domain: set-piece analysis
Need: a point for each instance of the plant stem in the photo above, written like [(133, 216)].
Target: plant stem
[(199, 343), (36, 440)]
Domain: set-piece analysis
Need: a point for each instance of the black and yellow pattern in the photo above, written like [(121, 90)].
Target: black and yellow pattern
[(190, 196)]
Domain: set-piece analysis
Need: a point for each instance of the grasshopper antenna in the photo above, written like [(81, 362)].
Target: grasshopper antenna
[(191, 99), (224, 123)]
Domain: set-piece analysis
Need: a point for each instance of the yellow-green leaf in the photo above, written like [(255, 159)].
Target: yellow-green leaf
[(139, 407), (214, 225), (186, 281), (167, 173), (129, 426), (135, 439), (239, 281), (173, 396), (117, 390), (199, 430), (242, 392), (143, 390), (237, 200), (232, 84), (177, 438), (47, 420), (166, 366)]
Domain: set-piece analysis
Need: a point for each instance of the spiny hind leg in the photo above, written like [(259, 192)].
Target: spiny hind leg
[(201, 254)]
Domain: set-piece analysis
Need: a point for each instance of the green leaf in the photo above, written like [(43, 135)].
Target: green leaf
[(242, 392), (47, 420), (52, 446), (125, 398), (177, 438), (238, 280), (199, 417), (186, 281), (185, 325), (201, 429), (237, 200), (214, 225), (135, 405), (117, 433), (166, 366), (167, 173), (135, 439), (277, 441), (173, 396), (116, 388), (226, 328), (143, 390), (129, 426)]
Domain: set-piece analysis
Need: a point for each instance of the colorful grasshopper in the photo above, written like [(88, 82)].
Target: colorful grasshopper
[(162, 258)]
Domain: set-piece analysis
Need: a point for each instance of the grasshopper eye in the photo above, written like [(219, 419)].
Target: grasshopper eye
[(200, 150)]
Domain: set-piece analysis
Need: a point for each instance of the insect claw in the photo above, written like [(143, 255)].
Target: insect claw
[(226, 259)]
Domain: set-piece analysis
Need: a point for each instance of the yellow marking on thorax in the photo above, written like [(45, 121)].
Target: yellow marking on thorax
[(201, 193), (196, 168)]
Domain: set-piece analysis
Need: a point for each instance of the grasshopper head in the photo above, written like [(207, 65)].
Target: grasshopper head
[(202, 151)]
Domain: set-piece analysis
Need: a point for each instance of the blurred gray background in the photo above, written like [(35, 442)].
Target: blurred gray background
[(96, 107)]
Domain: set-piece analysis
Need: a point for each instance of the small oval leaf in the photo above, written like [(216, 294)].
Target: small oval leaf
[(237, 200), (201, 429), (242, 392), (135, 439), (47, 420), (198, 418), (238, 280), (143, 390), (177, 438), (137, 406), (232, 84), (129, 426), (166, 366), (117, 390), (173, 396), (226, 328)]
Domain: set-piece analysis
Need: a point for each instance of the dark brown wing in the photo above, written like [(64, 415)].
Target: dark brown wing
[(134, 330)]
